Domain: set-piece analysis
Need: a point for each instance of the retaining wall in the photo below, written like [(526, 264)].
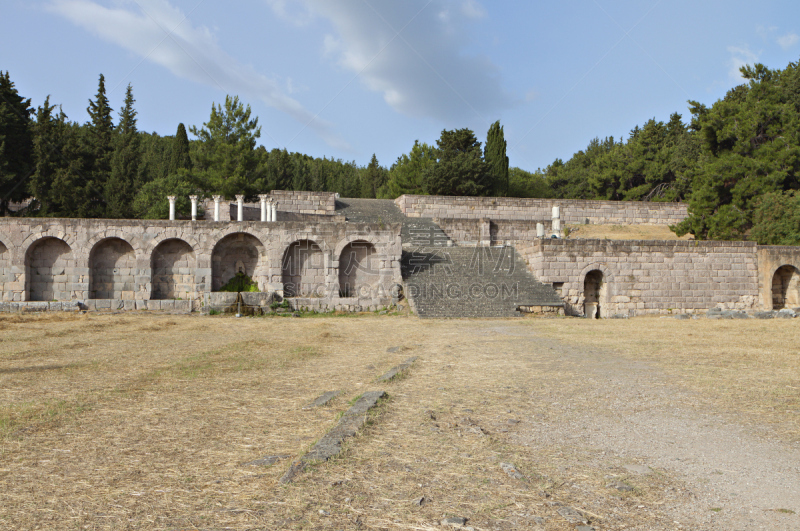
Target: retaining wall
[(641, 277), (572, 211)]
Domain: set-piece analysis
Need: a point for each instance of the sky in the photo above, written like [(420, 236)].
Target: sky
[(349, 78)]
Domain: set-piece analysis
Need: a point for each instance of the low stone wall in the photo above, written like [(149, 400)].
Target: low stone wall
[(641, 277), (572, 211), (119, 262), (304, 202), (465, 231)]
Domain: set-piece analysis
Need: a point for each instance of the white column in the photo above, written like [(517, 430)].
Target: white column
[(556, 221), (171, 207), (240, 208), (263, 198), (193, 199), (217, 199), (274, 211), (540, 230)]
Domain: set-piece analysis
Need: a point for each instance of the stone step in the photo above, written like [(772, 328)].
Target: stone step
[(472, 282)]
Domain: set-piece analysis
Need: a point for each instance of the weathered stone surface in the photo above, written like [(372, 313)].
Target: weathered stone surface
[(512, 471), (455, 521), (637, 469), (620, 486), (571, 515), (268, 460), (331, 443), (394, 371), (323, 399)]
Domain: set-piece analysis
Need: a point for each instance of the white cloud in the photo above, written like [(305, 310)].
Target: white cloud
[(740, 56), (788, 40), (189, 52), (422, 72)]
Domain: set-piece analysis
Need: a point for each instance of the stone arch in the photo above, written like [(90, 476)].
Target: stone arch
[(785, 287), (49, 264), (234, 253), (112, 270), (594, 283), (358, 274), (303, 269), (173, 264)]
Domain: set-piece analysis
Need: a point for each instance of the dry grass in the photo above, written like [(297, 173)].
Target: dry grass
[(624, 232), (146, 422)]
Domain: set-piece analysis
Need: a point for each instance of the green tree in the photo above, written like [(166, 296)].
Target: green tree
[(750, 147), (526, 184), (776, 219), (226, 160), (100, 148), (373, 177), (180, 157), (406, 174), (16, 143), (496, 159), (151, 201), (460, 168), (120, 188)]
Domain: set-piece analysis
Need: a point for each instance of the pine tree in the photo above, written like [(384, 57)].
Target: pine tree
[(100, 147), (16, 143), (372, 178), (120, 188), (495, 157), (406, 174)]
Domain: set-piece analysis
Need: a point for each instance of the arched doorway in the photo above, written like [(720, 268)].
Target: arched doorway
[(303, 269), (593, 294), (173, 270), (357, 273), (112, 264), (786, 288), (235, 253), (48, 266)]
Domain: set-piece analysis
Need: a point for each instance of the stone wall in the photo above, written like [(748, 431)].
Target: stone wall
[(572, 211), (305, 202), (775, 262), (641, 277), (120, 261), (494, 232)]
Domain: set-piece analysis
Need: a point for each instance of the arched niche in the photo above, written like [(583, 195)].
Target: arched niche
[(303, 269), (594, 294), (235, 253), (48, 266), (173, 264), (358, 274), (112, 267), (786, 288)]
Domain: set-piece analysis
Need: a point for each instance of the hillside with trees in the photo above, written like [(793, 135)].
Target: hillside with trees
[(734, 163)]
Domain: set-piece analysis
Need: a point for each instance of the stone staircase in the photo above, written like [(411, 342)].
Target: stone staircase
[(442, 280), (471, 282)]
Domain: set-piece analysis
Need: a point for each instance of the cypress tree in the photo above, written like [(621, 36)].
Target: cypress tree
[(121, 185), (180, 158), (16, 143), (495, 157)]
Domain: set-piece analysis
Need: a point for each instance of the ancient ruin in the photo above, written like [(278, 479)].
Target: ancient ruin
[(448, 256)]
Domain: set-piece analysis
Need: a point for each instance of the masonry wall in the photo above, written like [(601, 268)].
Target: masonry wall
[(642, 277), (572, 211), (52, 259), (471, 231)]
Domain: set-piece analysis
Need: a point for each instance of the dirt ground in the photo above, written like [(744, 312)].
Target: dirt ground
[(141, 421)]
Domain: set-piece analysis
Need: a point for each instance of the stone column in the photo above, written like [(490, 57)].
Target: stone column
[(274, 211), (540, 230), (556, 221), (171, 207), (193, 199), (217, 199), (240, 209), (263, 198)]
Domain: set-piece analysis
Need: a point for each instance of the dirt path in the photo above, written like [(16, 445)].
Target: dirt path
[(734, 476)]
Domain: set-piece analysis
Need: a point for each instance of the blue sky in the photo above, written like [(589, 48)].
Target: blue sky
[(349, 78)]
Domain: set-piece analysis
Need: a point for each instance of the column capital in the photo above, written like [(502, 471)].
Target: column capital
[(193, 198), (217, 198), (240, 198), (263, 197), (171, 198)]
